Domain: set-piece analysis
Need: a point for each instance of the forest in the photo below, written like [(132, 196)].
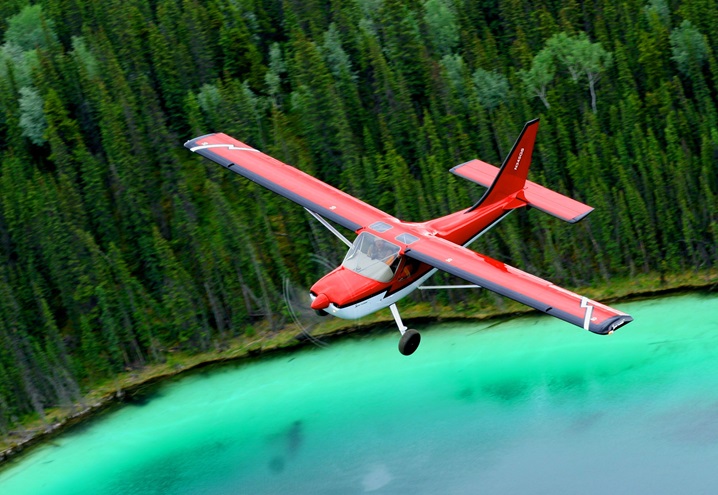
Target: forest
[(118, 245)]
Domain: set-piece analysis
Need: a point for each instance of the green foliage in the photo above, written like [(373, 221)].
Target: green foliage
[(492, 88), (30, 29), (442, 25), (688, 47), (277, 67), (85, 57), (660, 9), (582, 58), (32, 116), (542, 73), (118, 246)]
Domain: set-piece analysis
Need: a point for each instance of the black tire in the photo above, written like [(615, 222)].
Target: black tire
[(409, 342), (321, 312)]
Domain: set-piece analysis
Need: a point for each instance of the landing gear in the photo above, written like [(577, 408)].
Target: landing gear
[(409, 342), (410, 339)]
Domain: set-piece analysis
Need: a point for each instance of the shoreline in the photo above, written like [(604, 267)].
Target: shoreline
[(287, 339)]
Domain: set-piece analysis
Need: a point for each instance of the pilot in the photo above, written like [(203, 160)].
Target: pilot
[(381, 250)]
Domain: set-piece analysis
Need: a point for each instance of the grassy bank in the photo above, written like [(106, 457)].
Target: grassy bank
[(124, 386)]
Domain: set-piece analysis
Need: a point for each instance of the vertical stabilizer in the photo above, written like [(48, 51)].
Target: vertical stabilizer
[(515, 169)]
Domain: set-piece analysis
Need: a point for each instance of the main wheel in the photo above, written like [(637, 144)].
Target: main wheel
[(409, 342)]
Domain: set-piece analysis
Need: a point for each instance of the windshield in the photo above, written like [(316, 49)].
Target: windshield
[(372, 257)]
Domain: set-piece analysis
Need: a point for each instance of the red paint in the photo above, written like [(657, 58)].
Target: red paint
[(437, 243)]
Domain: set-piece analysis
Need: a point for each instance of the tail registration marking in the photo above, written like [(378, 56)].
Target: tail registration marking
[(518, 160)]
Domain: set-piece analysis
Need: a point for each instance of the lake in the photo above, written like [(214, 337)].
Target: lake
[(523, 405)]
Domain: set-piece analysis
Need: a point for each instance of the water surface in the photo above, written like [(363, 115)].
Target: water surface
[(528, 405)]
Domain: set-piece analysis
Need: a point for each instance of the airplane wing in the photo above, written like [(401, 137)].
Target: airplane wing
[(517, 285), (287, 181)]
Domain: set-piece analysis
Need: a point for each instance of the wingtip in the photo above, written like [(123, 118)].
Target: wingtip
[(611, 325), (580, 217), (193, 142)]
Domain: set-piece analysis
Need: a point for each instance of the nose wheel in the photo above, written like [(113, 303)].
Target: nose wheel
[(410, 338)]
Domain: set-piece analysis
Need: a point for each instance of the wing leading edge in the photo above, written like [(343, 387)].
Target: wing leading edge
[(517, 285), (287, 181)]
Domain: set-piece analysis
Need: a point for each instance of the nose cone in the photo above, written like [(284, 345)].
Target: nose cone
[(320, 302)]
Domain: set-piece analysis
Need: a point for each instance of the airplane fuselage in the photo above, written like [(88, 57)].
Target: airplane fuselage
[(349, 294), (360, 303)]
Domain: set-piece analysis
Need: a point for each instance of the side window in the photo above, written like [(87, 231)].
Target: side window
[(408, 268)]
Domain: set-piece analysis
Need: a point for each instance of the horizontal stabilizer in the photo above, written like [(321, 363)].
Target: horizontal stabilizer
[(540, 197)]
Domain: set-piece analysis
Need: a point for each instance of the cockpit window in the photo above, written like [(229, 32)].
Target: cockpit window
[(380, 226), (406, 238), (372, 257)]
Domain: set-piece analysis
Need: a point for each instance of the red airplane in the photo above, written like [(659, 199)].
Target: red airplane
[(390, 258)]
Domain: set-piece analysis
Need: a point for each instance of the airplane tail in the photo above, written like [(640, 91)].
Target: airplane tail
[(512, 175), (510, 181), (508, 189)]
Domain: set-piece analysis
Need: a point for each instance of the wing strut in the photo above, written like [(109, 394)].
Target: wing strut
[(330, 228), (440, 287)]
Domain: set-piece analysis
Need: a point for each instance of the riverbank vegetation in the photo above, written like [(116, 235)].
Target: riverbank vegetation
[(131, 386), (119, 249)]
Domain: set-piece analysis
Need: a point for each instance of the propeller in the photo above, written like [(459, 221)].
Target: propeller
[(299, 308)]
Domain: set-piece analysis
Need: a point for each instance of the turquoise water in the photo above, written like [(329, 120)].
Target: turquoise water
[(528, 405)]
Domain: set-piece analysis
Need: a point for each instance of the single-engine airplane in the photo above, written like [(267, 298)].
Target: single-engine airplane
[(391, 258)]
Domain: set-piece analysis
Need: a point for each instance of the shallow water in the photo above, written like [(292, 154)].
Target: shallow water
[(528, 405)]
